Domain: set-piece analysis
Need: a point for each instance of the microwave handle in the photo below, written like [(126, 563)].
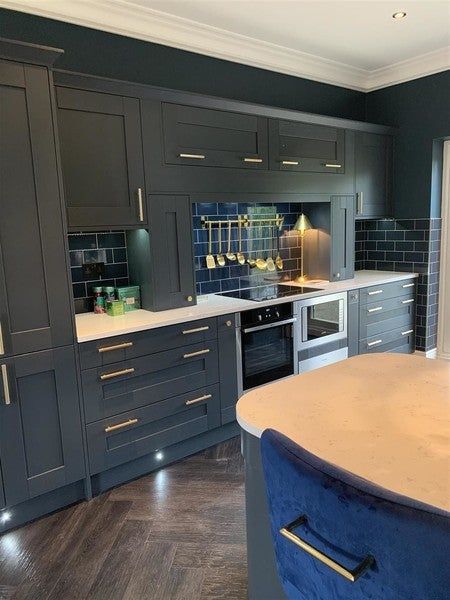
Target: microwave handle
[(304, 322)]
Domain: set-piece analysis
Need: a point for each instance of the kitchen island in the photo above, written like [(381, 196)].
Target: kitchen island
[(381, 417)]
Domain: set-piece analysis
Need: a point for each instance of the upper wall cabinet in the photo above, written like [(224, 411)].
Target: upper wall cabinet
[(35, 311), (205, 137), (373, 175), (306, 147), (101, 150)]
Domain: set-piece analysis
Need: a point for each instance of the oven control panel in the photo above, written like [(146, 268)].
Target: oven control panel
[(266, 314)]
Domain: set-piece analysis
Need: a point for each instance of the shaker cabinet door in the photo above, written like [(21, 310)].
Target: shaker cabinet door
[(40, 429), (373, 165), (35, 311), (342, 238), (102, 161)]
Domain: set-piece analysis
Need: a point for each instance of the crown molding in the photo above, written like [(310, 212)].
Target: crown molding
[(131, 20)]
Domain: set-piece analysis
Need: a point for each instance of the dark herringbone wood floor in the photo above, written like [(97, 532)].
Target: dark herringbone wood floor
[(178, 534)]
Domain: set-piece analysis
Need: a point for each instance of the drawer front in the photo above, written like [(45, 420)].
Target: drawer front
[(111, 350), (376, 312), (375, 293), (136, 383), (403, 322), (135, 433), (388, 341)]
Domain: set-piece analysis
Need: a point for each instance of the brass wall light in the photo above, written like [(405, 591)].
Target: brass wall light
[(302, 225)]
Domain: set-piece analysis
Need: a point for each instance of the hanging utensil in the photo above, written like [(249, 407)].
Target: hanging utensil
[(210, 262), (278, 260), (220, 256), (240, 256), (261, 262), (230, 254), (270, 263)]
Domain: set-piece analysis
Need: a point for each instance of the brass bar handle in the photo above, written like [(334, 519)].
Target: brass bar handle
[(333, 166), (5, 381), (140, 204), (195, 330), (408, 301), (196, 156), (349, 574), (252, 160), (116, 374), (375, 292), (293, 163), (371, 310), (120, 346), (120, 425), (374, 343), (408, 285), (199, 399), (408, 332), (198, 353), (2, 345)]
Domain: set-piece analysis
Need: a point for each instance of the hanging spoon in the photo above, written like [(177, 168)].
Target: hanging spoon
[(230, 254), (240, 256), (260, 262), (270, 264), (220, 256), (278, 260), (210, 262)]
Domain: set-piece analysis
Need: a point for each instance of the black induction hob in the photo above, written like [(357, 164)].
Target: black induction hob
[(268, 292)]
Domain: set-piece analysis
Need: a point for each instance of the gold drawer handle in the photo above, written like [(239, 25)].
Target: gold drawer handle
[(375, 292), (350, 574), (196, 156), (408, 332), (195, 330), (120, 425), (408, 301), (116, 374), (199, 399), (371, 310), (198, 353), (407, 285), (6, 393), (115, 347), (293, 163), (331, 166), (253, 160), (375, 343)]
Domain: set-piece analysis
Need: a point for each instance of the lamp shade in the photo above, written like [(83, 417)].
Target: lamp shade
[(302, 223)]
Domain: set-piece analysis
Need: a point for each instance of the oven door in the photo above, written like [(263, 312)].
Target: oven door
[(323, 320), (267, 352)]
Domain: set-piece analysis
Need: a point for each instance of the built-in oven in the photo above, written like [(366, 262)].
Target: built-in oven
[(267, 344), (322, 330)]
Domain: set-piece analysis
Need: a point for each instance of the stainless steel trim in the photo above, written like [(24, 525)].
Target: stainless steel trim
[(5, 384), (2, 346), (290, 162), (253, 160), (105, 376), (374, 343), (141, 205), (375, 292), (269, 325), (300, 306), (333, 166), (197, 156), (376, 309), (115, 347), (195, 330), (408, 301), (199, 399), (198, 353), (408, 285), (408, 332)]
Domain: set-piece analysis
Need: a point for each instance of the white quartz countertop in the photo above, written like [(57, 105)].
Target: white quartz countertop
[(90, 326), (383, 417)]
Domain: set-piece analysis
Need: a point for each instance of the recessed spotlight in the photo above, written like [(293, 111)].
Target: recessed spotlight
[(399, 15)]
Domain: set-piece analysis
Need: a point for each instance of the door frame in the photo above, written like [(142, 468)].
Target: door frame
[(443, 344)]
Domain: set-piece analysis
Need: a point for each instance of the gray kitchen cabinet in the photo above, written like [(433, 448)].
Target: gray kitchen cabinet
[(35, 308), (342, 238), (102, 161), (2, 491), (229, 366), (41, 445), (373, 175), (161, 258), (353, 323)]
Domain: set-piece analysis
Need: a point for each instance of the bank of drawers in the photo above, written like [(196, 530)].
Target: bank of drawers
[(162, 388), (387, 317)]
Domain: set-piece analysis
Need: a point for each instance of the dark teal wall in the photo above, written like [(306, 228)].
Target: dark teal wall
[(421, 110), (99, 53)]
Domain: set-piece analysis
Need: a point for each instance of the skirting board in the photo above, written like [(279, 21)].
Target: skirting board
[(429, 353)]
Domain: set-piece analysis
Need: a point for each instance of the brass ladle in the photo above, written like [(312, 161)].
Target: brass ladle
[(230, 255), (278, 260), (270, 263), (261, 262), (240, 256), (220, 256)]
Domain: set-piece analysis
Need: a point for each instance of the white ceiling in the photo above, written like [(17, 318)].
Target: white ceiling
[(352, 43)]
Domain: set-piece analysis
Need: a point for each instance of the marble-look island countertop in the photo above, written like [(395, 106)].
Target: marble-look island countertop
[(383, 417), (90, 326)]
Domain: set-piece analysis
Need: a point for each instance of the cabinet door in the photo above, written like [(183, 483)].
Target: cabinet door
[(35, 311), (342, 238), (101, 150), (305, 147), (40, 430), (373, 164), (161, 259), (206, 137)]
